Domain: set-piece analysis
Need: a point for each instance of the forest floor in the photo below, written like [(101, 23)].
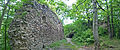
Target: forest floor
[(110, 44), (105, 44)]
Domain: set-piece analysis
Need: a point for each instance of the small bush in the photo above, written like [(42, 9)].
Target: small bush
[(84, 38)]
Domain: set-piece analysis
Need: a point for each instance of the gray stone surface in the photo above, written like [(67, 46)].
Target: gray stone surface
[(33, 27)]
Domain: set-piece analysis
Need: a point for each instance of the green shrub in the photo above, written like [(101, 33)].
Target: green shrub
[(102, 31), (84, 38)]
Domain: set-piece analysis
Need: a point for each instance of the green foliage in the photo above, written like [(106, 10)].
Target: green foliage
[(68, 29), (102, 31), (2, 37), (57, 44), (62, 44), (83, 35), (43, 2), (84, 38), (105, 42), (22, 14), (18, 5), (117, 27)]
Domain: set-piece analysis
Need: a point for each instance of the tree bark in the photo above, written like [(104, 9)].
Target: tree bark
[(95, 25), (108, 27), (112, 25), (108, 22), (119, 23)]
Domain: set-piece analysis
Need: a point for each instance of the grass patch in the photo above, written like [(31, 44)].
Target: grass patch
[(62, 44)]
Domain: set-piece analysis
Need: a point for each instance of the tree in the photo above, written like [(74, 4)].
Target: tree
[(108, 21), (3, 13), (112, 26), (95, 25)]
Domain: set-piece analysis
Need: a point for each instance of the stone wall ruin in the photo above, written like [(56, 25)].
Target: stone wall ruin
[(34, 26)]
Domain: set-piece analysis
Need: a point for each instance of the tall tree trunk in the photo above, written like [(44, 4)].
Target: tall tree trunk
[(108, 22), (112, 25), (3, 13), (95, 25), (118, 25), (108, 27)]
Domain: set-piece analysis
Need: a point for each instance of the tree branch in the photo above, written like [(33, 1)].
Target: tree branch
[(79, 4), (100, 6)]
